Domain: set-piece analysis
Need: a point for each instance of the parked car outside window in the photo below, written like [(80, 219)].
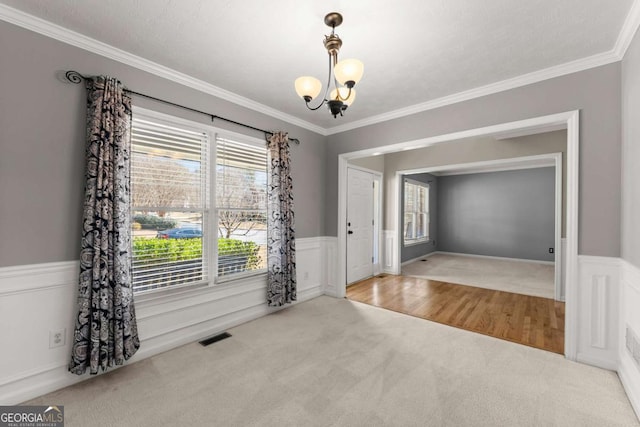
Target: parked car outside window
[(180, 233)]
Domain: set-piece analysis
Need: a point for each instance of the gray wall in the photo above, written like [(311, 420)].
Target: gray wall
[(42, 144), (42, 123), (417, 250), (468, 151), (631, 153), (595, 92), (375, 163), (505, 214)]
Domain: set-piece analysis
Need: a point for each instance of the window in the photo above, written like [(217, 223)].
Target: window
[(178, 237), (241, 206), (416, 212)]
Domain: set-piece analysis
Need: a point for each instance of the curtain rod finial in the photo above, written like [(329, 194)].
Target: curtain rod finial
[(74, 77)]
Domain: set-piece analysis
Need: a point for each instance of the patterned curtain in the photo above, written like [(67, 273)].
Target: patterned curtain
[(106, 332), (281, 248)]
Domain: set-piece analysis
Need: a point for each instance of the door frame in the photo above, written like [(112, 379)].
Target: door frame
[(569, 120), (377, 217), (512, 163)]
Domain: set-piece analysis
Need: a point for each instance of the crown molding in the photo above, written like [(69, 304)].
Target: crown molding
[(46, 28), (73, 38), (625, 37), (490, 89), (629, 29)]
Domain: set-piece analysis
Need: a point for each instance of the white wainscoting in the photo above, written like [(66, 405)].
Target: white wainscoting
[(628, 369), (389, 258), (36, 299), (330, 265), (598, 301), (563, 271)]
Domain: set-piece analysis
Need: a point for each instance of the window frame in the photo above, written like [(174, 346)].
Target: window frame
[(210, 210), (236, 137), (427, 212)]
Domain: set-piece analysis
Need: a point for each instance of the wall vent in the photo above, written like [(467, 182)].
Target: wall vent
[(633, 345)]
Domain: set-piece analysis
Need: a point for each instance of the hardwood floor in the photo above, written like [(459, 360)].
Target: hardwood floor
[(533, 321)]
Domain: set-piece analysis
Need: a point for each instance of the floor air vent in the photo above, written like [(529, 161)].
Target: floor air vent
[(216, 338)]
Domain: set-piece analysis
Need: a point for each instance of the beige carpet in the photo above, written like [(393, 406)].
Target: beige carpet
[(528, 278), (333, 362)]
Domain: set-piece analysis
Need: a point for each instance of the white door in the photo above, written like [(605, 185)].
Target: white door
[(360, 210)]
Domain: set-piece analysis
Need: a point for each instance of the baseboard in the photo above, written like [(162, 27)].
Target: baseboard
[(604, 363), (418, 258), (331, 292), (534, 261)]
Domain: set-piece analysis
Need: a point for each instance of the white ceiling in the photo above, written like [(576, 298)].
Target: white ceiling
[(415, 52)]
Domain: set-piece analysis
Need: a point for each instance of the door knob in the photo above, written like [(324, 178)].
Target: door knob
[(349, 232)]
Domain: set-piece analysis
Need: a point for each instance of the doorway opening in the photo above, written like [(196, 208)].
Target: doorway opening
[(392, 259), (492, 216)]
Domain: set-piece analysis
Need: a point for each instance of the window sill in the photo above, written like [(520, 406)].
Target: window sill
[(161, 295), (239, 276)]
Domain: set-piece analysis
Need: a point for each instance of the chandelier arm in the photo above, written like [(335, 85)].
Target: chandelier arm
[(326, 91), (315, 108), (338, 92)]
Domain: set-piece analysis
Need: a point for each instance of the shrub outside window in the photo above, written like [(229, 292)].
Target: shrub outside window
[(178, 237)]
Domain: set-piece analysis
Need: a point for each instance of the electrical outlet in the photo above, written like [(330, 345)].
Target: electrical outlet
[(306, 275), (57, 338), (550, 250)]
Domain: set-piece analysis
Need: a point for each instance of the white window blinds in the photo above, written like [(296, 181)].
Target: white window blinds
[(416, 212), (169, 189), (241, 205)]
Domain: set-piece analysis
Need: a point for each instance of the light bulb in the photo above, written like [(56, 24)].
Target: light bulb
[(308, 86), (348, 70)]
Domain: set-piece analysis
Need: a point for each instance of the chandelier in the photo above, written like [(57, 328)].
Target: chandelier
[(346, 74)]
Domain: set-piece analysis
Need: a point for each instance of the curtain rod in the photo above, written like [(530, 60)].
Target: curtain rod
[(76, 78)]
